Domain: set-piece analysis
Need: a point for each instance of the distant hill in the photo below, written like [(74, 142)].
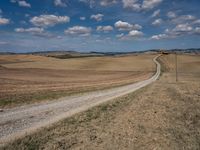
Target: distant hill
[(74, 54), (190, 50)]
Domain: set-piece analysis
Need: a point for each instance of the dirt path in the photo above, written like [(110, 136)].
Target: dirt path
[(20, 121)]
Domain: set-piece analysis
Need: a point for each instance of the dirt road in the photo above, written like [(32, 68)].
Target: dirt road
[(17, 122)]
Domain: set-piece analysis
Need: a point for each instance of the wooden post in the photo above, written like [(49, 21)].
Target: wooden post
[(176, 64)]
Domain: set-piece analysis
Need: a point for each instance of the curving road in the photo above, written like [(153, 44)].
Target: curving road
[(17, 122)]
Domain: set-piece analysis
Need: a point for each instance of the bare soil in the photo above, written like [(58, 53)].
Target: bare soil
[(164, 115)]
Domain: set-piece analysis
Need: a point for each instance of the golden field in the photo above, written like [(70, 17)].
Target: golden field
[(30, 78)]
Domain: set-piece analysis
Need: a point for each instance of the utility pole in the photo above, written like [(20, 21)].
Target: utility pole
[(176, 65)]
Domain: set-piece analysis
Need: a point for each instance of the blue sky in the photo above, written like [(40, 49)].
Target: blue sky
[(98, 25)]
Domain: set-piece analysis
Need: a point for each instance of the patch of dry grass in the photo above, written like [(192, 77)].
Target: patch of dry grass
[(142, 62), (26, 79)]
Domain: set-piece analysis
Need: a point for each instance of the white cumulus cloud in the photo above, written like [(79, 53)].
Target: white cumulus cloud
[(24, 4), (4, 21), (156, 13), (59, 3), (137, 5), (121, 25), (31, 30), (197, 30), (105, 28), (97, 17), (171, 14), (120, 35), (150, 4), (49, 20), (177, 31), (78, 30), (159, 37), (131, 4), (183, 19), (35, 31), (82, 18), (135, 33), (92, 3), (197, 21), (157, 22), (21, 3), (183, 28), (107, 2)]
